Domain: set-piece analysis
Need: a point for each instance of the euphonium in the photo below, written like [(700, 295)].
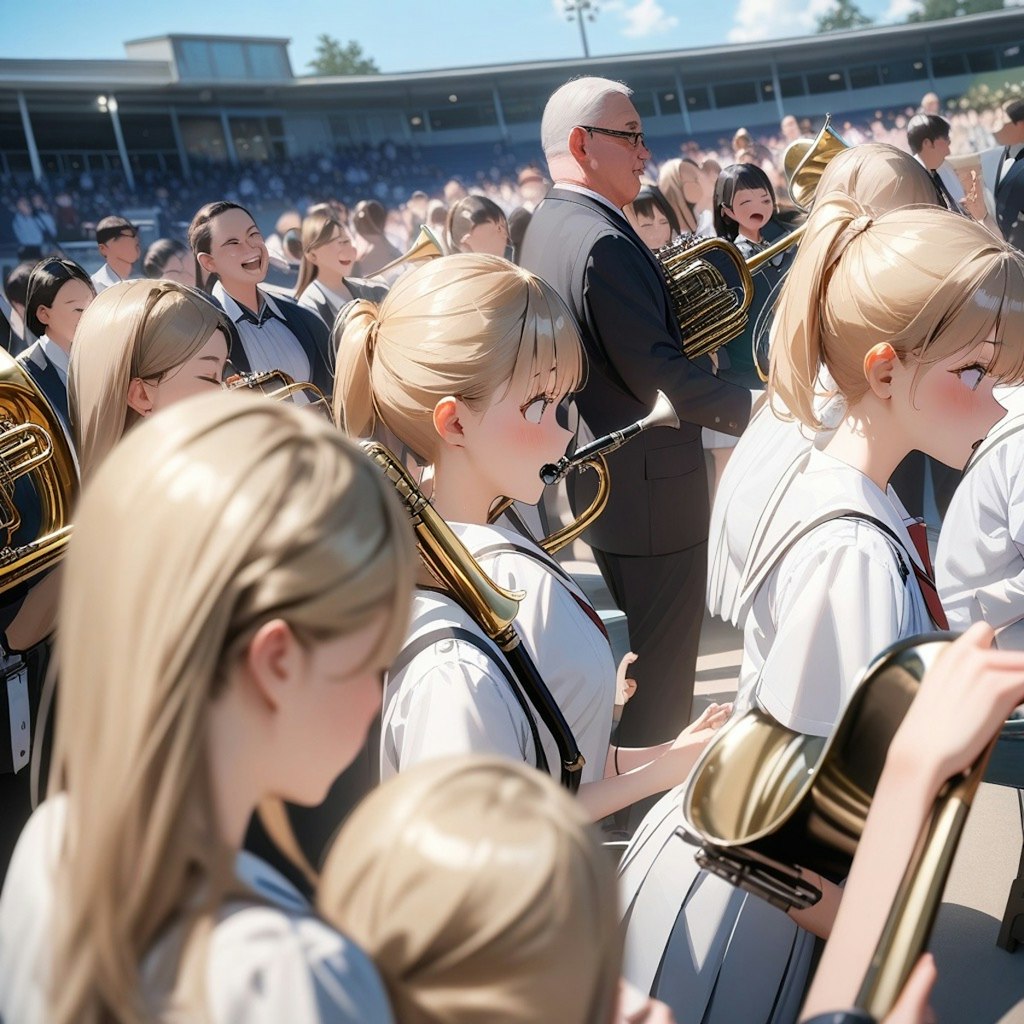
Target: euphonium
[(765, 802), (591, 456), (710, 310), (32, 445), (491, 607)]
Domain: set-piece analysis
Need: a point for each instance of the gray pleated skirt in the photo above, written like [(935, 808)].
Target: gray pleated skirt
[(715, 954)]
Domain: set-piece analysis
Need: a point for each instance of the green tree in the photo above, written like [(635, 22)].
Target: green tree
[(933, 10), (844, 14), (334, 59)]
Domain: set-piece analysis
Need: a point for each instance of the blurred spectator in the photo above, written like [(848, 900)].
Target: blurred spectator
[(476, 224), (290, 220), (454, 190), (652, 217), (118, 242), (533, 187), (518, 221), (34, 229), (16, 290), (172, 260), (930, 103), (69, 224), (790, 128), (375, 251)]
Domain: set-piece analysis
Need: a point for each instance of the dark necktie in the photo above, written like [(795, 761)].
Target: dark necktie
[(249, 317), (925, 577), (945, 197)]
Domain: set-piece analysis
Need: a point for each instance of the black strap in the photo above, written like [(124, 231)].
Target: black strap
[(419, 644)]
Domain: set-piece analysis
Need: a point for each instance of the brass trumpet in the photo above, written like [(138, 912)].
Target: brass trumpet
[(425, 246), (591, 456), (710, 310), (281, 387), (764, 802)]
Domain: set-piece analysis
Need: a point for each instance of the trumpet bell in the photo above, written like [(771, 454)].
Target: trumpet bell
[(425, 246), (805, 160), (764, 800)]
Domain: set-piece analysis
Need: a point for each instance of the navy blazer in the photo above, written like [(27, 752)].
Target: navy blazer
[(310, 332), (1009, 196), (48, 379), (616, 291)]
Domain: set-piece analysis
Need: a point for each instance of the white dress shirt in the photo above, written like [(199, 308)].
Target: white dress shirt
[(105, 278), (453, 699), (271, 345), (979, 564), (268, 960), (57, 357)]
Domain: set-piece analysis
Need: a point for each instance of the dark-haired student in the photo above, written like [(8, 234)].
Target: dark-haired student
[(928, 138), (275, 333), (16, 292), (59, 292), (118, 242), (171, 260)]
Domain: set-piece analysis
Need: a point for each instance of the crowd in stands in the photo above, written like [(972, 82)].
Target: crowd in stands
[(70, 205)]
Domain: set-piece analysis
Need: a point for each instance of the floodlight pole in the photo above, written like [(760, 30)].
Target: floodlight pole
[(579, 9)]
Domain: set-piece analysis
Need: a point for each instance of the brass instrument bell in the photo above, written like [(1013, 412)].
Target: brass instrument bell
[(425, 246), (805, 159)]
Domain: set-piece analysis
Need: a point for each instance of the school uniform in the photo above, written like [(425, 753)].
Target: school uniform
[(269, 958), (764, 461), (819, 605), (281, 335), (979, 563), (105, 278), (453, 697), (47, 364), (327, 303)]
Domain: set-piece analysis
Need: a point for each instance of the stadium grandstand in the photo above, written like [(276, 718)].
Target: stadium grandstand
[(186, 115)]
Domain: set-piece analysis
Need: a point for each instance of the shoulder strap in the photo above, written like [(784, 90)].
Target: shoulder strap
[(568, 584), (419, 644)]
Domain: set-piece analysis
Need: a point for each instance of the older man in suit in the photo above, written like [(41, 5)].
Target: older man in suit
[(651, 541)]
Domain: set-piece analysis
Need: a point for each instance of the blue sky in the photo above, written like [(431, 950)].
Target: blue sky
[(408, 35)]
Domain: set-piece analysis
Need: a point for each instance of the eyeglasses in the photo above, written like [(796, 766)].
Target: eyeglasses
[(635, 139)]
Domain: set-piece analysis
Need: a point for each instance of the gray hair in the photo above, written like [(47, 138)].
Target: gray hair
[(580, 101)]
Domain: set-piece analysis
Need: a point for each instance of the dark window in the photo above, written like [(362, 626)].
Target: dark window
[(417, 122), (458, 115), (1012, 56), (148, 131), (735, 94), (697, 98), (981, 60), (203, 137), (644, 103), (767, 90), (668, 102), (903, 70), (945, 65), (825, 81), (83, 130), (250, 138), (792, 85), (864, 77), (520, 109)]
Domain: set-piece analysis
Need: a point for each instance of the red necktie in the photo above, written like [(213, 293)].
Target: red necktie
[(919, 535), (591, 613)]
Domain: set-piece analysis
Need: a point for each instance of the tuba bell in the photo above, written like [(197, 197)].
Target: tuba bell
[(38, 478), (425, 246), (710, 308)]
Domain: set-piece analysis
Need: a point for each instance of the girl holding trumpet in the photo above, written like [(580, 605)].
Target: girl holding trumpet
[(465, 362)]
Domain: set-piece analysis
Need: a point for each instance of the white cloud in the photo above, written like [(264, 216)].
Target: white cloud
[(645, 18), (899, 9), (773, 19), (641, 18)]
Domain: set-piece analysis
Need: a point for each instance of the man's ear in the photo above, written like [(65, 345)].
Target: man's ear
[(206, 261), (140, 396), (578, 139), (102, 246), (272, 662), (879, 363), (448, 416)]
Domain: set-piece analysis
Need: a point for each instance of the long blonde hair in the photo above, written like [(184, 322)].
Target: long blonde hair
[(481, 894), (208, 520), (928, 282), (140, 329), (468, 325), (319, 227), (673, 177)]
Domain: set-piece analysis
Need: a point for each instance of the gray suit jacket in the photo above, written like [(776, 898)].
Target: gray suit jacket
[(616, 291)]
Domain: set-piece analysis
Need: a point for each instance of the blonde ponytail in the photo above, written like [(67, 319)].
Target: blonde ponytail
[(354, 334)]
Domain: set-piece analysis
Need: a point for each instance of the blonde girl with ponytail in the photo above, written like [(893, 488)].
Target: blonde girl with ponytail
[(465, 364), (914, 315), (238, 579)]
